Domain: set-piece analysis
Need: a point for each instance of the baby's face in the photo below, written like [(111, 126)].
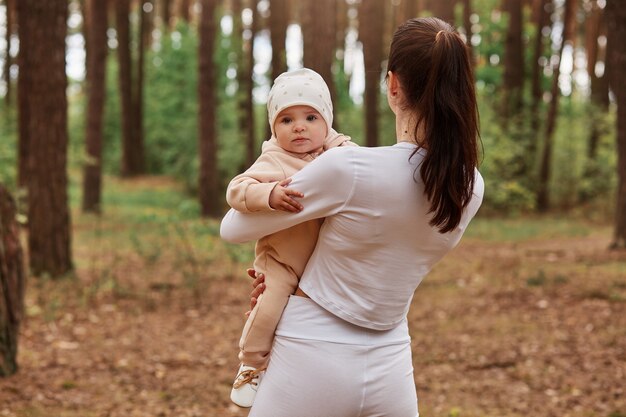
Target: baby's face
[(300, 129)]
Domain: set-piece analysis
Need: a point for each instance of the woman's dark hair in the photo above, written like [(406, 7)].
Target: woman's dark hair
[(433, 66)]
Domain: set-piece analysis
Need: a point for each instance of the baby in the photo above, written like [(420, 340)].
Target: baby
[(300, 114)]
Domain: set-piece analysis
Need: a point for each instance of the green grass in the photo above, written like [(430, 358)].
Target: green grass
[(521, 228)]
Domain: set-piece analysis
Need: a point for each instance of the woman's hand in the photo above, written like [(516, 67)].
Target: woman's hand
[(281, 197), (258, 286)]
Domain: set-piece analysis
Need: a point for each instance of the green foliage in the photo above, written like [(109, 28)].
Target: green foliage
[(76, 121), (112, 125), (231, 137), (576, 177), (8, 146), (492, 31), (171, 109), (503, 159), (598, 179)]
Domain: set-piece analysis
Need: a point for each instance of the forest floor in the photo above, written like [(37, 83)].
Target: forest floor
[(527, 317)]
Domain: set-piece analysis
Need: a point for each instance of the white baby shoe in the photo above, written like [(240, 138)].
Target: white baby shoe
[(246, 385)]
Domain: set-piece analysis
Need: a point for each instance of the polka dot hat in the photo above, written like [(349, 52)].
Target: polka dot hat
[(301, 87)]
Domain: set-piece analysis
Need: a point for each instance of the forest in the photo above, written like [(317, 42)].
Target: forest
[(123, 121)]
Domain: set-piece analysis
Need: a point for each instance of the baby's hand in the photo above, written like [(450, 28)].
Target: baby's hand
[(280, 197)]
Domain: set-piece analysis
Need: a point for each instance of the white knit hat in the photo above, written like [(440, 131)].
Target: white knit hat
[(301, 87)]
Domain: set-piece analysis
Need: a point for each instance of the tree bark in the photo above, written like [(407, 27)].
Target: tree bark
[(540, 17), (543, 197), (125, 85), (513, 61), (144, 41), (370, 33), (96, 68), (616, 25), (279, 20), (23, 85), (238, 45), (184, 10), (42, 30), (443, 9), (410, 9), (318, 32), (166, 13), (208, 182), (148, 16), (86, 13), (342, 26), (467, 24), (596, 26), (12, 284), (248, 104)]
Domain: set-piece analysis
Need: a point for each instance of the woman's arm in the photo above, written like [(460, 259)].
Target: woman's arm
[(327, 184)]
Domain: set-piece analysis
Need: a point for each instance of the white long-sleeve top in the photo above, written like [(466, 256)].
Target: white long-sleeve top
[(375, 245)]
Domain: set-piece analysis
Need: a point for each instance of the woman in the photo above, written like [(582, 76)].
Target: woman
[(342, 347)]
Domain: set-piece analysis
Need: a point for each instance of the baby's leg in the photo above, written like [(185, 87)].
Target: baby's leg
[(258, 333)]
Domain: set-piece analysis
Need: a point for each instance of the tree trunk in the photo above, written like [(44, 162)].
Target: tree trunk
[(467, 24), (246, 84), (42, 30), (144, 40), (12, 284), (7, 55), (184, 10), (208, 182), (318, 32), (616, 25), (125, 84), (166, 14), (443, 9), (279, 20), (86, 14), (540, 18), (251, 147), (342, 27), (149, 17), (543, 201), (370, 33), (96, 67), (410, 10), (513, 61), (595, 26), (389, 18), (23, 85), (403, 10), (238, 46)]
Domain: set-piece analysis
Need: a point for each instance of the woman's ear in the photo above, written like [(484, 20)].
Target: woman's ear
[(393, 88), (392, 83)]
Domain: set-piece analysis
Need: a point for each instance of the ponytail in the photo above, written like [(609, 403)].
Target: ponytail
[(433, 66)]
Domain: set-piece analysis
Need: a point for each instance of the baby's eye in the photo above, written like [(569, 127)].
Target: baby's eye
[(285, 120), (311, 117)]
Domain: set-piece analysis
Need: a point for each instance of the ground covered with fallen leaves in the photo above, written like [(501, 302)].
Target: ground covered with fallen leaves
[(527, 317)]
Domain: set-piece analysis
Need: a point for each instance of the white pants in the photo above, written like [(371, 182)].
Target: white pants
[(323, 366)]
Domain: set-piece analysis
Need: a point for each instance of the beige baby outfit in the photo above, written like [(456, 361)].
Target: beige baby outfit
[(281, 256)]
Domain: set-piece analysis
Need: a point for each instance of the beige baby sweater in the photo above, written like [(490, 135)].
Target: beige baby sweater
[(250, 191)]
